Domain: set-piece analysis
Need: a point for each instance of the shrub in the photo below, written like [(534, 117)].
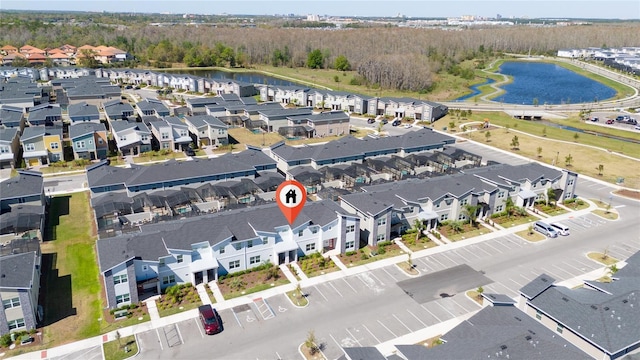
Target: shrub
[(350, 253), (364, 256), (381, 250), (5, 340), (382, 244)]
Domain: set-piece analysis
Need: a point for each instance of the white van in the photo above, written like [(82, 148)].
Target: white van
[(545, 229), (561, 229)]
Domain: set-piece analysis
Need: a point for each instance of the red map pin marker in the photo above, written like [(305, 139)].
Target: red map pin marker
[(291, 196)]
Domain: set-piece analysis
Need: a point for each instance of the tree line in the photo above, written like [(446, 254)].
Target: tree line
[(389, 57)]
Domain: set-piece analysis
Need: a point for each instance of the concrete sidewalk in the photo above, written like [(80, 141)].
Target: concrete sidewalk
[(222, 304)]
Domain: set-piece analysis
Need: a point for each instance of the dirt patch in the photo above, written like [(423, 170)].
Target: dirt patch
[(628, 193)]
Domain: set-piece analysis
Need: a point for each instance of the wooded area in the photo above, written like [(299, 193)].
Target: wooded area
[(389, 57)]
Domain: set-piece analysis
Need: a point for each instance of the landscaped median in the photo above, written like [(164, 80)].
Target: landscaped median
[(531, 235), (316, 264), (121, 348), (251, 281), (367, 254)]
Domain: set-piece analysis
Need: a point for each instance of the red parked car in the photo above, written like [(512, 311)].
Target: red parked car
[(210, 319), (610, 121)]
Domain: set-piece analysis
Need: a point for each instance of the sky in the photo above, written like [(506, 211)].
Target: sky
[(602, 9)]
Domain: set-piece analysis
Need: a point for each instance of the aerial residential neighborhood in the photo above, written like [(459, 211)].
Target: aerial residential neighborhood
[(461, 187)]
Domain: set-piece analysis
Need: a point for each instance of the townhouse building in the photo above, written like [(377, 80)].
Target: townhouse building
[(132, 138), (83, 112), (599, 318), (274, 119), (20, 287), (9, 148), (117, 110), (12, 117), (21, 92), (201, 249), (41, 145), (89, 140), (207, 130), (22, 204), (332, 123), (45, 115), (89, 90), (170, 133), (152, 107), (387, 210)]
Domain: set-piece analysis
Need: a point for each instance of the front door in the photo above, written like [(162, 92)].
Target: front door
[(281, 258), (198, 277)]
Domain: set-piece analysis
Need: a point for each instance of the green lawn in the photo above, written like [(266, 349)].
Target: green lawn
[(514, 220), (115, 350), (178, 309), (71, 287)]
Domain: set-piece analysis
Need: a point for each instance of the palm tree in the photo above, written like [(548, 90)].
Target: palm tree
[(600, 169), (418, 226), (471, 213), (551, 196), (509, 207)]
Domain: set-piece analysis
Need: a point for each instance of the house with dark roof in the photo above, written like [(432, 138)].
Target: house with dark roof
[(117, 110), (170, 133), (9, 148), (45, 115), (400, 108), (82, 112), (601, 319), (331, 123), (12, 117), (21, 92), (207, 130), (19, 290), (41, 145), (132, 138), (22, 202), (153, 107), (90, 90), (274, 119), (89, 140), (201, 249)]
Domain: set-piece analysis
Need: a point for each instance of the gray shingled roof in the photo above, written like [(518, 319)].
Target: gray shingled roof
[(537, 285), (27, 183), (17, 271), (152, 104), (83, 109), (10, 115), (84, 128), (41, 112), (202, 120), (8, 134), (497, 333), (363, 353), (516, 173)]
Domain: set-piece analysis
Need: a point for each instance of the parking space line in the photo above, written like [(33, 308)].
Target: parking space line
[(485, 251), (388, 273), (471, 252), (199, 327), (623, 249), (563, 270), (379, 322), (320, 292), (580, 270), (513, 242), (489, 245), (520, 285), (336, 341), (452, 314), (179, 334), (159, 339), (424, 262), (375, 337), (450, 259), (346, 282), (438, 261), (417, 318), (427, 310), (400, 321), (377, 278), (237, 320), (278, 356), (460, 255), (334, 288), (496, 242), (354, 338)]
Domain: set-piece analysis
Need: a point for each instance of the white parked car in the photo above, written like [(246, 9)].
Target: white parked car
[(407, 126), (561, 229)]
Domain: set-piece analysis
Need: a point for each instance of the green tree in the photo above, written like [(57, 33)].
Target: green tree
[(539, 151), (600, 169), (515, 143), (551, 196), (471, 213), (487, 135), (509, 207), (576, 136), (418, 226), (342, 64), (20, 61), (88, 59), (568, 160), (535, 101), (315, 59), (310, 342)]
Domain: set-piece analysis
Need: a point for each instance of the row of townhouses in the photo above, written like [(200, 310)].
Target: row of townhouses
[(626, 58), (596, 320), (65, 55)]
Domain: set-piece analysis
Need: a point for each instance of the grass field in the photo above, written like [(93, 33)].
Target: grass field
[(246, 137), (115, 350), (71, 289), (585, 159)]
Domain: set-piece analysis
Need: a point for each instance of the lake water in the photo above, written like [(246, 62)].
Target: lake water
[(549, 84), (474, 89), (253, 78)]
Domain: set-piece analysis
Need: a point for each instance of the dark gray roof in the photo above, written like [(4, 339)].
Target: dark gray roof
[(17, 271), (537, 286), (497, 332), (84, 128), (499, 299), (152, 104), (605, 314), (284, 112), (40, 131), (10, 115), (83, 109), (330, 116), (8, 134), (203, 100), (236, 225), (369, 203), (117, 108), (363, 353), (120, 125), (202, 120), (516, 173), (21, 218), (41, 112), (27, 183)]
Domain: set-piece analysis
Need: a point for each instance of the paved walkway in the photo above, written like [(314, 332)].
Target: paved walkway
[(301, 273), (152, 308), (288, 274), (204, 296)]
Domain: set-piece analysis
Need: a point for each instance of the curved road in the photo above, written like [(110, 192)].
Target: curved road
[(630, 101)]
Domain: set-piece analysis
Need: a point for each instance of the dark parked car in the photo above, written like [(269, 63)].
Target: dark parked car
[(595, 119), (210, 319), (371, 120), (396, 122), (189, 151)]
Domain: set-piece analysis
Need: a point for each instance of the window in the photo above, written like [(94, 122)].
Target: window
[(220, 131), (165, 145), (314, 230), (464, 202), (380, 237), (55, 145), (183, 132), (310, 247), (180, 258), (444, 217), (382, 221), (250, 243), (5, 150), (168, 279), (143, 137), (560, 328), (301, 232), (161, 263), (164, 136), (265, 240), (538, 315), (438, 205), (16, 324), (234, 264), (570, 182), (100, 141), (499, 208), (221, 250), (330, 131), (29, 147), (11, 303), (124, 138), (350, 244), (80, 144), (237, 246), (461, 217), (122, 299), (118, 279), (254, 259), (351, 228)]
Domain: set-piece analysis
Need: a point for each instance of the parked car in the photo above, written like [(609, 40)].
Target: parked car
[(395, 123), (210, 319), (632, 121), (384, 121), (189, 151), (545, 229), (610, 121), (595, 119), (371, 120), (620, 118), (637, 127), (407, 126), (561, 229)]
